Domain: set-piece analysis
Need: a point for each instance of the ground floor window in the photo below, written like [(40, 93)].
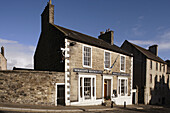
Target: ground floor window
[(122, 86), (87, 87)]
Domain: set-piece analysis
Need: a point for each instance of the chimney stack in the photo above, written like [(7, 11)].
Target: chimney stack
[(107, 36), (2, 51), (48, 15), (154, 49)]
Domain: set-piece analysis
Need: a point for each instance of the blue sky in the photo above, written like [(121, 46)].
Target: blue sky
[(143, 22)]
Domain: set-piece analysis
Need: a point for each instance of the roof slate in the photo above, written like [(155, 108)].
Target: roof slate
[(147, 53), (80, 37)]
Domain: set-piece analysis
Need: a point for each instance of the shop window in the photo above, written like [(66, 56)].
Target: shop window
[(122, 87), (81, 91), (87, 87)]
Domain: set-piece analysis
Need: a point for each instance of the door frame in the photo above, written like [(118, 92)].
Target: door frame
[(110, 77), (57, 84)]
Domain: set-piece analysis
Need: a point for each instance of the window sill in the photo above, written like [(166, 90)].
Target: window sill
[(87, 66)]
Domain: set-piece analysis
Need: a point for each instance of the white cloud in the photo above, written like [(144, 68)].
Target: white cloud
[(17, 54), (137, 31), (165, 35), (163, 41), (141, 17), (3, 41), (142, 42)]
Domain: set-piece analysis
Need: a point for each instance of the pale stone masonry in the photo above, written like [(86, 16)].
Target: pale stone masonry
[(95, 70), (150, 74), (3, 60)]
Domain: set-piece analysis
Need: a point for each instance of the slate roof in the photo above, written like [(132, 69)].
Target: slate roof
[(147, 53), (80, 37)]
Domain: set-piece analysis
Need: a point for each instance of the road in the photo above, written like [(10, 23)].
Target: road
[(138, 109)]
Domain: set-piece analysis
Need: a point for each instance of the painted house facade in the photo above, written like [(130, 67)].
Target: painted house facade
[(150, 74), (3, 60), (95, 69)]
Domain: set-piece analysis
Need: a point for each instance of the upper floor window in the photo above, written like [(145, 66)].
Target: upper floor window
[(164, 68), (150, 64), (156, 66), (150, 78), (107, 60), (160, 67), (87, 56), (122, 63)]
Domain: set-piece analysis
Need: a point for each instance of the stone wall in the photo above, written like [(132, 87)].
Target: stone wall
[(76, 61), (3, 62), (29, 87)]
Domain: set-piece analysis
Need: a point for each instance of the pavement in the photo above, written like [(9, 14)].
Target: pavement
[(99, 108), (36, 108)]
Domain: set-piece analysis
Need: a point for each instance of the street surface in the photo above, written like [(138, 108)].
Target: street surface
[(117, 109)]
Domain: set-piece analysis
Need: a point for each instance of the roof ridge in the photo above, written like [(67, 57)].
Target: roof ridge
[(74, 31), (146, 54)]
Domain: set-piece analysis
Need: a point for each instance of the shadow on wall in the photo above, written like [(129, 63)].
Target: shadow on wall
[(161, 92)]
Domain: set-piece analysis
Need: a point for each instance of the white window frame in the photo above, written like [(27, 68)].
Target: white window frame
[(124, 63), (56, 91), (82, 99), (83, 56), (105, 59), (125, 88)]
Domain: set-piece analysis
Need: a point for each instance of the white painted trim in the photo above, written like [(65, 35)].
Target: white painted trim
[(111, 78), (121, 78), (83, 98), (56, 91), (124, 63), (104, 59), (131, 75), (67, 102), (83, 56)]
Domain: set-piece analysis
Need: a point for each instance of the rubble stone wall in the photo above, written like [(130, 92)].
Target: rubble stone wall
[(29, 87)]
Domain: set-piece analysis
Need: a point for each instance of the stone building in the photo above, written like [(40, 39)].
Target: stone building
[(95, 69), (149, 74), (3, 60)]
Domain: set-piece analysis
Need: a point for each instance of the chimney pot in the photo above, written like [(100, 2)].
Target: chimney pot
[(101, 33)]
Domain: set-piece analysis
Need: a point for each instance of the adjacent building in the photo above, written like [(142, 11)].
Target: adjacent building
[(150, 74), (95, 69), (3, 60)]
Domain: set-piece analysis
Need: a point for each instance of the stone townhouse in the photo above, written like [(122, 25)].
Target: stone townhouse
[(149, 74), (3, 60), (95, 69)]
